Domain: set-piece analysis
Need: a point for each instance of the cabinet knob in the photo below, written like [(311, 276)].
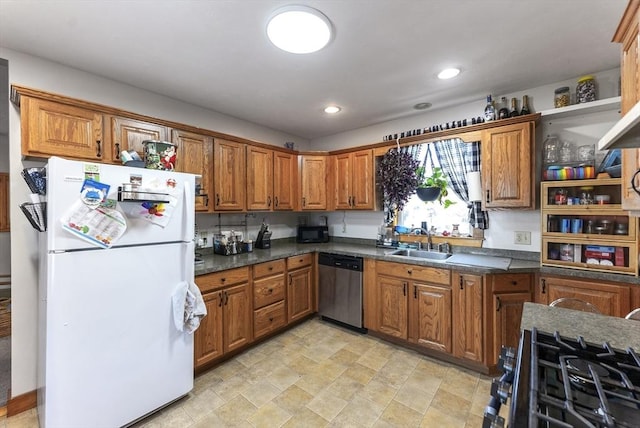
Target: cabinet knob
[(498, 303), (270, 290), (276, 201), (270, 319), (220, 297), (409, 271), (514, 283)]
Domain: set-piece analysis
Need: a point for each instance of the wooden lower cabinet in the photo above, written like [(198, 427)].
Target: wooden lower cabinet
[(467, 316), (392, 304), (301, 289), (299, 293), (269, 297), (610, 298), (430, 316), (228, 324), (208, 337)]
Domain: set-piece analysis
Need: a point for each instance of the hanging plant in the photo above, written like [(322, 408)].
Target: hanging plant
[(398, 179), (433, 187)]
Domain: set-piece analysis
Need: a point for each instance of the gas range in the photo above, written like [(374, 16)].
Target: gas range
[(556, 381)]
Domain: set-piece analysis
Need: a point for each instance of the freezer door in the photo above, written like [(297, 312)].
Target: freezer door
[(111, 350), (64, 183)]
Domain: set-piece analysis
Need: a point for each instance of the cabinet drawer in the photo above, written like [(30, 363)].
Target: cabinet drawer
[(511, 282), (269, 318), (268, 290), (415, 272), (296, 262), (268, 268), (215, 280)]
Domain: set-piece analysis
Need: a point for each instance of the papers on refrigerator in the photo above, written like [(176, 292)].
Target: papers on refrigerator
[(101, 226)]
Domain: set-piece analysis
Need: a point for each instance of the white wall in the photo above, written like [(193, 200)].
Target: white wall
[(34, 72)]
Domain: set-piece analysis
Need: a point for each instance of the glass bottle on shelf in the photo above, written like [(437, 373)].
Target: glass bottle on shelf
[(525, 106), (503, 113), (489, 110), (514, 109)]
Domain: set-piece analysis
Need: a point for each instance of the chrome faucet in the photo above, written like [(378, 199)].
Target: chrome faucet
[(420, 230)]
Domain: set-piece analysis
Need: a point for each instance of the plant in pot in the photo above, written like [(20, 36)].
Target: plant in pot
[(397, 175), (433, 187)]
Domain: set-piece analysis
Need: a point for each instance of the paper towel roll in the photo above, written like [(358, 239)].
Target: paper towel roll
[(474, 186)]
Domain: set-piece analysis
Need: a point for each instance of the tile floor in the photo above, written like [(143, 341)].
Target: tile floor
[(320, 375)]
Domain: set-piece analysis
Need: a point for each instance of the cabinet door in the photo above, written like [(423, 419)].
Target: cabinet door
[(392, 306), (430, 316), (610, 299), (208, 344), (194, 156), (507, 312), (238, 320), (285, 170), (128, 134), (229, 175), (52, 129), (507, 167), (4, 202), (467, 316), (259, 178), (313, 188), (630, 87), (342, 181), (299, 293), (362, 180)]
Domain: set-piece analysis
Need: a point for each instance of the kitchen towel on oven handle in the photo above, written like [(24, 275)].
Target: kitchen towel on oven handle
[(188, 307)]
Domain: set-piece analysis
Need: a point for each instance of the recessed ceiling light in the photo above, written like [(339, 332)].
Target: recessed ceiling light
[(332, 109), (299, 29), (422, 106), (448, 73)]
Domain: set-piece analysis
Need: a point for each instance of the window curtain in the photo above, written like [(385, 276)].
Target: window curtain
[(457, 159)]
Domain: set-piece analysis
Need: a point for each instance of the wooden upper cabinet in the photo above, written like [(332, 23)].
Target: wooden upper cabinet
[(195, 153), (627, 35), (313, 182), (53, 129), (128, 134), (229, 176), (353, 180), (259, 178), (4, 202), (285, 171), (507, 165)]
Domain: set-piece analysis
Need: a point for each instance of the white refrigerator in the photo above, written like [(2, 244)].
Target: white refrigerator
[(109, 349)]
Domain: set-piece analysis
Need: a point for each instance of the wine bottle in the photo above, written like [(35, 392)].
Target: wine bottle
[(503, 113), (525, 106), (489, 110), (514, 108)]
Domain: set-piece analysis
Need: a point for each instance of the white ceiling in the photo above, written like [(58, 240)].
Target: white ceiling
[(382, 60)]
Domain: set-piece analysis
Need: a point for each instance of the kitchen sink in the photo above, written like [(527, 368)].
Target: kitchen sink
[(420, 254)]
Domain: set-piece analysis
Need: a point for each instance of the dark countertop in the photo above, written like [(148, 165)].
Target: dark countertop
[(279, 250), (619, 332)]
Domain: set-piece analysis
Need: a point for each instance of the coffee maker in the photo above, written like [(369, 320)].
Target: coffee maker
[(264, 237)]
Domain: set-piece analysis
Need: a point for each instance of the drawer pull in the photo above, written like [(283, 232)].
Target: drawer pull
[(99, 148), (514, 283), (499, 305), (223, 280), (270, 319), (409, 271), (270, 268), (270, 290), (544, 286), (220, 297)]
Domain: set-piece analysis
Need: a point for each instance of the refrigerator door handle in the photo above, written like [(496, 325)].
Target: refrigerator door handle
[(189, 212)]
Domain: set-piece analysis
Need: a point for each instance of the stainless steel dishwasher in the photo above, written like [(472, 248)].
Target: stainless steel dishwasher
[(340, 290)]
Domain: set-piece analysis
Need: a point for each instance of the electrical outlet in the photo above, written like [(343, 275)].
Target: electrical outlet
[(522, 238)]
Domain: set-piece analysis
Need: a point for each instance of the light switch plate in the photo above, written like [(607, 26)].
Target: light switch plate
[(522, 238)]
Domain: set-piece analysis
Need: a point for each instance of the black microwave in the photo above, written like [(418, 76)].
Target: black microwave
[(312, 234)]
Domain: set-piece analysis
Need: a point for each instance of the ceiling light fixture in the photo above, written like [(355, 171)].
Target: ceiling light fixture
[(299, 29), (422, 106), (448, 73), (332, 109)]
